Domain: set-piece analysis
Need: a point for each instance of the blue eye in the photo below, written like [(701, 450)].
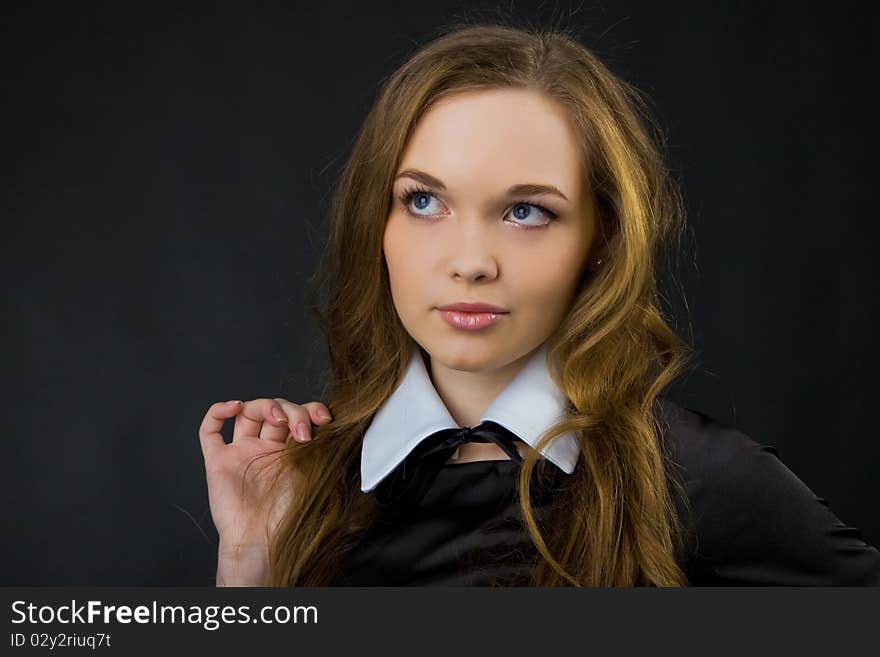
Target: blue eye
[(419, 199), (526, 206)]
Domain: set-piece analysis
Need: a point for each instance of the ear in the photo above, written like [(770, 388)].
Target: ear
[(597, 258), (600, 249)]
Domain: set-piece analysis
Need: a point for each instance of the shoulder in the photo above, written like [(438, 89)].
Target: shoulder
[(754, 521)]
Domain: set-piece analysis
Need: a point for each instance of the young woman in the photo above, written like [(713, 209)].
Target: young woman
[(497, 362)]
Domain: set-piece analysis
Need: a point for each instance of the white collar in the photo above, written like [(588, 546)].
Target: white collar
[(528, 406)]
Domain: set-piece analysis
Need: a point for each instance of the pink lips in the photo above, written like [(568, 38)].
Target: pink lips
[(470, 321), (471, 316)]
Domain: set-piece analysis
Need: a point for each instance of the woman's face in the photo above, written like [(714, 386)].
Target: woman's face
[(463, 238)]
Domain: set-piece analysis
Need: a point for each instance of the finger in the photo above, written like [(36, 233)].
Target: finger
[(302, 416), (311, 412), (319, 413), (249, 421), (276, 425), (210, 437)]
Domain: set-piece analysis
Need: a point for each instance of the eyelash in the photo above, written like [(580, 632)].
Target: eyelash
[(407, 196)]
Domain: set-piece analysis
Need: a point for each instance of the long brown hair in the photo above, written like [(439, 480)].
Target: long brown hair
[(615, 521)]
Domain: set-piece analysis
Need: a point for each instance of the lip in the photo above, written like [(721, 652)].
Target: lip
[(472, 307), (470, 321)]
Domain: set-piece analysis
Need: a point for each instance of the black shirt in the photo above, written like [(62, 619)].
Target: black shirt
[(751, 522)]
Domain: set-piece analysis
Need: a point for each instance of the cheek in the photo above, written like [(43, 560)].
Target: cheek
[(402, 261), (543, 283), (392, 249), (538, 287)]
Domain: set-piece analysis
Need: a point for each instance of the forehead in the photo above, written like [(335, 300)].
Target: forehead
[(497, 138)]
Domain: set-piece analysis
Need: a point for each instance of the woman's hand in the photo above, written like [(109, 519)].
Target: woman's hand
[(261, 426)]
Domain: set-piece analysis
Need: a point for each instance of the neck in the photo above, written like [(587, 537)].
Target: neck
[(467, 395)]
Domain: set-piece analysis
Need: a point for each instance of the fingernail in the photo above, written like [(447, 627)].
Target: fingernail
[(233, 402), (324, 415), (278, 415), (301, 431)]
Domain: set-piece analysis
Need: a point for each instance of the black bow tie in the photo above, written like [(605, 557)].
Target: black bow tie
[(408, 483)]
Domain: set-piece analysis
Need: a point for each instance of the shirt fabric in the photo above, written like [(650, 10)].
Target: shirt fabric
[(751, 520), (529, 405)]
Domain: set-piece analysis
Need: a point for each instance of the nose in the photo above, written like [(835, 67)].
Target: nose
[(472, 253)]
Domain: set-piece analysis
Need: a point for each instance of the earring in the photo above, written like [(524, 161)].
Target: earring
[(598, 261)]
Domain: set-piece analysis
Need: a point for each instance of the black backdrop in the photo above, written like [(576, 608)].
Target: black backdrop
[(166, 170)]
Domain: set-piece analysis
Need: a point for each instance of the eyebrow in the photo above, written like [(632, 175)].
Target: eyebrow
[(526, 189)]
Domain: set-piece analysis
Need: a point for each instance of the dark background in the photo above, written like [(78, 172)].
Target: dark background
[(165, 175)]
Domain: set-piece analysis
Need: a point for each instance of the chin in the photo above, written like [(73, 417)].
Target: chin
[(467, 356)]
